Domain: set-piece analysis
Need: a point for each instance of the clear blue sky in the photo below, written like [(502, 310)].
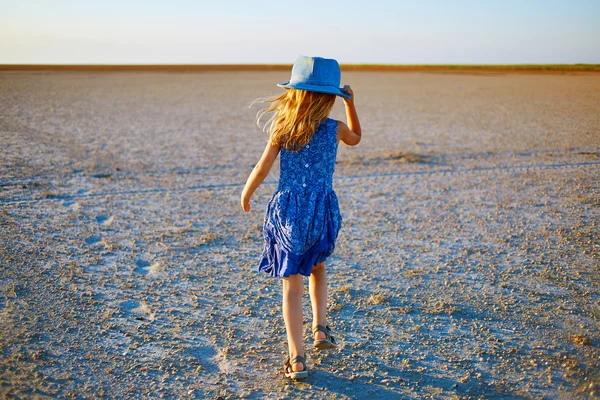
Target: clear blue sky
[(257, 31)]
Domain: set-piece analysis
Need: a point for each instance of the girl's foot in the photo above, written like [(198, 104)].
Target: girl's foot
[(296, 368), (297, 364), (319, 335), (323, 338)]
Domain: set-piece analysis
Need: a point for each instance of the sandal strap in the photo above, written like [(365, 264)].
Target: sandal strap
[(326, 330), (298, 359), (320, 328)]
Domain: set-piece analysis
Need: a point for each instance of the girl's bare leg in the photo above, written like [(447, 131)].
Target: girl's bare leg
[(293, 288), (317, 285)]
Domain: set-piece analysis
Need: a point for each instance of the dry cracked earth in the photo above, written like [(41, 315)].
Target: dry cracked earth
[(467, 266)]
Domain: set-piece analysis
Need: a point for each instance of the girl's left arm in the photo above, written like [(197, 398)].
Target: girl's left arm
[(259, 173)]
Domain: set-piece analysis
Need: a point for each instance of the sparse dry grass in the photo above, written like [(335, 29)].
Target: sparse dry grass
[(581, 340), (377, 298)]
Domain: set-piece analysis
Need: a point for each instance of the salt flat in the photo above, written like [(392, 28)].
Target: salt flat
[(467, 265)]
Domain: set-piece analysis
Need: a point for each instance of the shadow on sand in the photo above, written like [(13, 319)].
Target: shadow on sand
[(399, 385)]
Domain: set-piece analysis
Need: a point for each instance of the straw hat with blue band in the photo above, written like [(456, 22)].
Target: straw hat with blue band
[(316, 74)]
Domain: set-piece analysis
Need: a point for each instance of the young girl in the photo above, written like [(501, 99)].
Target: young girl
[(303, 218)]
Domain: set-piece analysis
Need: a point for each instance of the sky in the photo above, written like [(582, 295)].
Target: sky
[(258, 31)]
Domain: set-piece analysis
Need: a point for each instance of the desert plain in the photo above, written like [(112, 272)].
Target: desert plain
[(467, 266)]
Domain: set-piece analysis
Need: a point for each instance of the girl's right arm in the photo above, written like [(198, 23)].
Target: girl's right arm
[(351, 133), (259, 173)]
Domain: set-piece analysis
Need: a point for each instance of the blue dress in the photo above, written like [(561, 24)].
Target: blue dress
[(303, 216)]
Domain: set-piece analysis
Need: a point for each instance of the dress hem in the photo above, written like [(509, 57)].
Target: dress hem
[(280, 263)]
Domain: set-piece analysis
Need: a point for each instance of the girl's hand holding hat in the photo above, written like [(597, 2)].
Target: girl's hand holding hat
[(351, 133), (348, 90)]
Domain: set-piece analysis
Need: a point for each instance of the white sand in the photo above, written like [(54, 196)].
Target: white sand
[(467, 266)]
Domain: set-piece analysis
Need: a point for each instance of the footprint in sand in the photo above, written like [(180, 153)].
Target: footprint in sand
[(207, 357), (72, 204), (92, 239), (145, 268), (104, 220), (136, 309)]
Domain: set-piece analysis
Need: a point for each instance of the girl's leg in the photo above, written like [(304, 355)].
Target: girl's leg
[(293, 288), (317, 285)]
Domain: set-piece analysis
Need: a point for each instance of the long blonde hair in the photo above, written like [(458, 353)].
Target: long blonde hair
[(296, 115)]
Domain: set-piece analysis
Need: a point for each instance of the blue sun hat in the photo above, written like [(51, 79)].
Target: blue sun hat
[(316, 74)]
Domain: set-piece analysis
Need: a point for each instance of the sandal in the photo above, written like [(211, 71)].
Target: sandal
[(328, 342), (289, 372)]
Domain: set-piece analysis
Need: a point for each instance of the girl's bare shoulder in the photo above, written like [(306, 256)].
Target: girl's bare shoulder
[(346, 135)]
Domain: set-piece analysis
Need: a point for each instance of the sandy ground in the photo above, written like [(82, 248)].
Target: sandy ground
[(467, 266)]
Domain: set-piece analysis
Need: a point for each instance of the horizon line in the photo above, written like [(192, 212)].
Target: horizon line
[(575, 67)]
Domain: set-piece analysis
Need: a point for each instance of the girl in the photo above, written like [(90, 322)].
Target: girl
[(303, 219)]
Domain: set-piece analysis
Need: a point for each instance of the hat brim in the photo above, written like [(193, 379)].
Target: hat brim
[(314, 88)]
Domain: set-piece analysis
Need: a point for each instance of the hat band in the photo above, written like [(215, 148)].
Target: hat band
[(308, 81)]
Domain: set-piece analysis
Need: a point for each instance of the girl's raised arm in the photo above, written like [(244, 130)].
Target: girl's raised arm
[(259, 173), (351, 133)]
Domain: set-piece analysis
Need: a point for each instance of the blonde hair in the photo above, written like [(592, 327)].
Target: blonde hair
[(296, 115)]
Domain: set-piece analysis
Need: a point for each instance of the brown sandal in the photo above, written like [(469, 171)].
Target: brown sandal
[(328, 342), (289, 372)]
